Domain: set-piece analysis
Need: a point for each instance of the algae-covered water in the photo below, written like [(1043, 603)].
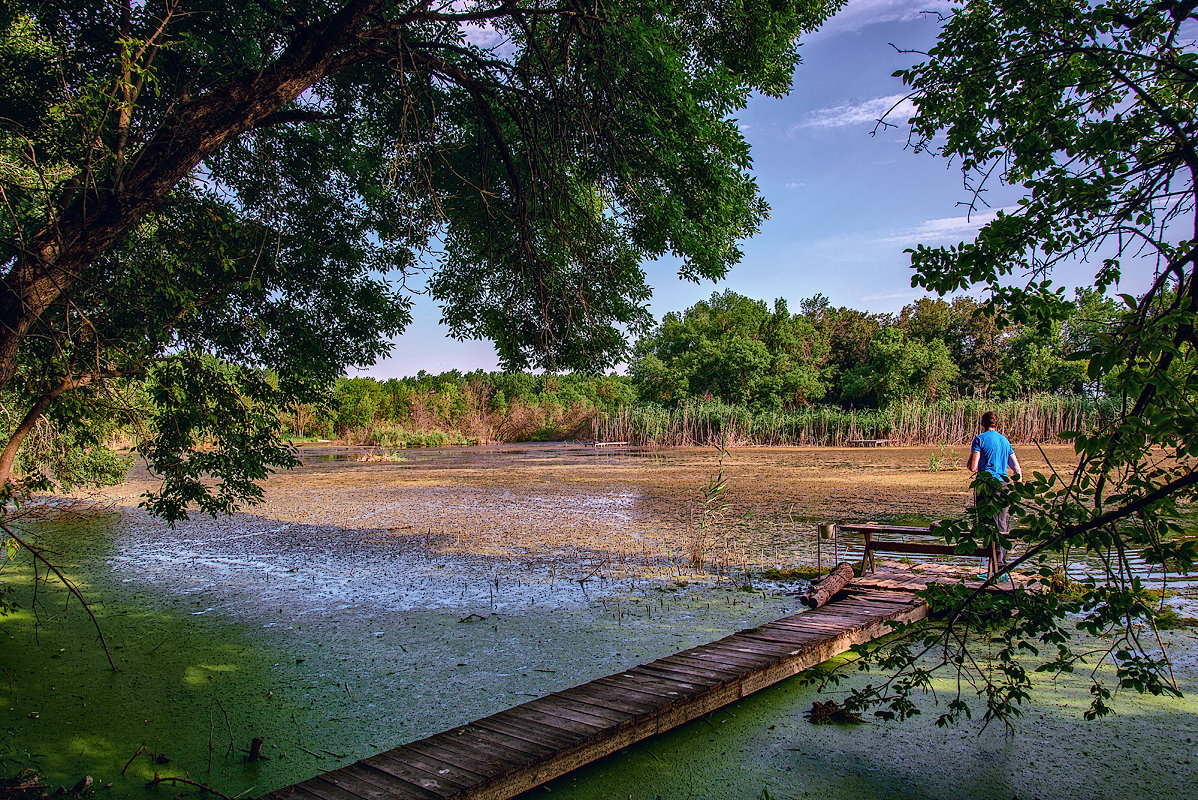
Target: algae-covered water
[(327, 650), (763, 747), (366, 605)]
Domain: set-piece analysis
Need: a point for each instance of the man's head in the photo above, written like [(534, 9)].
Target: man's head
[(989, 420)]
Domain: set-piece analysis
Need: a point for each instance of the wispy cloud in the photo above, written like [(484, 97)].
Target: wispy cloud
[(944, 229), (486, 37), (794, 185), (907, 295), (895, 107), (858, 14)]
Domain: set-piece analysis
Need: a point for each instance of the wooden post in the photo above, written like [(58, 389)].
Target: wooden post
[(821, 593), (826, 529)]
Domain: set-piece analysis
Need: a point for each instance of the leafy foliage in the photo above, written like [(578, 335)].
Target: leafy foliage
[(734, 349), (260, 183), (737, 350), (1089, 108)]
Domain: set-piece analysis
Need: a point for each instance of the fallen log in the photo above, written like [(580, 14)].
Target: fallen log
[(820, 593)]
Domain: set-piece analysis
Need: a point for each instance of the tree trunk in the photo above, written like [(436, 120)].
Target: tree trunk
[(820, 593), (94, 218)]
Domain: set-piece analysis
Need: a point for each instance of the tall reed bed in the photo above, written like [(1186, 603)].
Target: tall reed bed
[(1041, 418)]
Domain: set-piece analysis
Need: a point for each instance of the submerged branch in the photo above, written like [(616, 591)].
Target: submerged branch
[(72, 588)]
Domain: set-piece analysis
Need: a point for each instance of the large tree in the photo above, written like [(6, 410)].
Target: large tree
[(1088, 109), (229, 196), (736, 349)]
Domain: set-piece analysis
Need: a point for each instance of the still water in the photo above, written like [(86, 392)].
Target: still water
[(365, 605)]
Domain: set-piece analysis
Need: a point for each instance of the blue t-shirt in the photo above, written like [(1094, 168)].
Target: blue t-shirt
[(995, 450)]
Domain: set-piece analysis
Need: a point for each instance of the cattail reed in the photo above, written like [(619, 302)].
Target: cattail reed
[(1042, 418)]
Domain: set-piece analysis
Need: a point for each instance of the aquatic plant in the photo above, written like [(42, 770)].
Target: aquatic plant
[(1042, 418)]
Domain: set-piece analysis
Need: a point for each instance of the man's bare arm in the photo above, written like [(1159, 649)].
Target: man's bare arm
[(1013, 465), (974, 458)]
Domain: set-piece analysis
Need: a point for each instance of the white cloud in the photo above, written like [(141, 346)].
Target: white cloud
[(895, 107), (482, 35), (907, 295), (794, 185), (858, 14), (945, 229)]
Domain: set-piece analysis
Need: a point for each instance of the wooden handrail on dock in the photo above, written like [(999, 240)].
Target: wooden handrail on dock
[(502, 755), (869, 530)]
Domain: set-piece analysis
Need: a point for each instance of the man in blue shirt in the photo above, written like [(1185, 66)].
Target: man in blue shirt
[(992, 454)]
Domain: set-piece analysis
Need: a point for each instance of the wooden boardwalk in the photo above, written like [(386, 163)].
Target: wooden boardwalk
[(507, 753), (896, 576)]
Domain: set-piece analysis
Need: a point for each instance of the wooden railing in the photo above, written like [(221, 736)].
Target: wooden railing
[(872, 545)]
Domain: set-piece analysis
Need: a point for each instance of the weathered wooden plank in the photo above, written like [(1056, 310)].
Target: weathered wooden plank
[(478, 752), (325, 789), (727, 655), (544, 735), (566, 706), (296, 792), (402, 760), (633, 702), (911, 530), (601, 703), (775, 630), (742, 644), (693, 674), (532, 721), (667, 695), (779, 636), (822, 628), (370, 782), (394, 787), (660, 698), (878, 596), (674, 686), (724, 671)]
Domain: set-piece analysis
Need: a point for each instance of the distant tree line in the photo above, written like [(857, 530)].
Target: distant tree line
[(739, 353), (743, 352), (727, 365)]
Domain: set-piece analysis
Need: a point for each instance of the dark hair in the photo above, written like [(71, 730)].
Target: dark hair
[(989, 420)]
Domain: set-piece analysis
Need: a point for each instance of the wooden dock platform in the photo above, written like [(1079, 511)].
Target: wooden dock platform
[(502, 755)]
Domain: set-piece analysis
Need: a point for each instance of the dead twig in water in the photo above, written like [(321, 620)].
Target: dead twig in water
[(157, 780), (37, 554), (229, 727), (135, 755)]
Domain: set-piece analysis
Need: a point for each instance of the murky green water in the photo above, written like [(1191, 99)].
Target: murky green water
[(331, 644), (327, 658), (763, 747)]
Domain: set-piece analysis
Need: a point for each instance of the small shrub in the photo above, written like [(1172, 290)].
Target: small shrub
[(791, 574)]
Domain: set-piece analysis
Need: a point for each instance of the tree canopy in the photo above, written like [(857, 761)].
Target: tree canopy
[(230, 198), (1088, 109), (737, 350)]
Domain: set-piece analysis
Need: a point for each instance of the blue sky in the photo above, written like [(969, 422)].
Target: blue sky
[(845, 203)]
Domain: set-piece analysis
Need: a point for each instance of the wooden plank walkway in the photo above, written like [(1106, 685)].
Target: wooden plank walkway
[(502, 755), (896, 576)]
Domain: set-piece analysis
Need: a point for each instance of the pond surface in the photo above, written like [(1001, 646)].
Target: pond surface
[(366, 604)]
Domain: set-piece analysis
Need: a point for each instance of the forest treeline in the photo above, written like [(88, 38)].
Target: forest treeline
[(728, 367), (755, 373)]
